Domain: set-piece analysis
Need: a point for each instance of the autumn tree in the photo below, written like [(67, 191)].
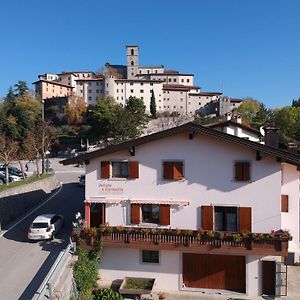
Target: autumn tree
[(75, 111), (248, 109), (8, 152)]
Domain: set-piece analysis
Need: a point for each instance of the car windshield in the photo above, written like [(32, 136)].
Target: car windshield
[(39, 225)]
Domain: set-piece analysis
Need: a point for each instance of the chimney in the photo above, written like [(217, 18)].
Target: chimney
[(293, 146), (228, 116), (239, 119), (271, 135)]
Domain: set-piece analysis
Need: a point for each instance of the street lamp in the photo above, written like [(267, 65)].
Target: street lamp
[(43, 110)]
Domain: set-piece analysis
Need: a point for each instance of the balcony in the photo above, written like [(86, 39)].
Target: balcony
[(200, 241)]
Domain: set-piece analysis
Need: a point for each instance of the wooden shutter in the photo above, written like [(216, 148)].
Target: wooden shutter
[(168, 170), (242, 171), (207, 217), (164, 214), (133, 169), (177, 170), (245, 218), (284, 203), (135, 213), (105, 167), (246, 171)]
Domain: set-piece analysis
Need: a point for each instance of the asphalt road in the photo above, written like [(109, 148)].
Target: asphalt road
[(23, 264)]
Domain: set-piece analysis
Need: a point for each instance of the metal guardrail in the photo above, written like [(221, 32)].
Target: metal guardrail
[(45, 289)]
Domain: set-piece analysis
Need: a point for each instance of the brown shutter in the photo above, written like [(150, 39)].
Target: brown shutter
[(284, 203), (105, 166), (133, 169), (135, 213), (177, 170), (245, 219), (242, 171), (207, 217), (238, 171), (168, 170), (164, 214), (246, 171)]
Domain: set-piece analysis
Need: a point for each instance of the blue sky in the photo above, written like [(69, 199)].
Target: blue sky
[(242, 48)]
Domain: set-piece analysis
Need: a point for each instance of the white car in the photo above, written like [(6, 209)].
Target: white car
[(45, 227)]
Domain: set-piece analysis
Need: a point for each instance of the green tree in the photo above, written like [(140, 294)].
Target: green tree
[(296, 103), (263, 116), (153, 105), (288, 121), (248, 109), (21, 88)]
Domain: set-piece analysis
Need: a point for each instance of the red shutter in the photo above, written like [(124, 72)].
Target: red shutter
[(133, 169), (164, 214), (207, 217), (105, 167), (177, 170), (245, 219), (168, 170), (284, 203), (135, 213)]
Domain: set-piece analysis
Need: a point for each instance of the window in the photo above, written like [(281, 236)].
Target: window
[(90, 98), (131, 83), (142, 83), (170, 79), (150, 213), (150, 256), (174, 80), (141, 91), (89, 91), (132, 63), (120, 169), (97, 91), (242, 171), (225, 218), (117, 91), (132, 74), (131, 91), (284, 203), (151, 84), (97, 83), (182, 80), (187, 80), (173, 170), (142, 98), (132, 51)]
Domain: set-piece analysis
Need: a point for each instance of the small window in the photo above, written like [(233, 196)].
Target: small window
[(89, 91), (150, 256), (150, 213), (151, 84), (170, 79), (187, 80), (120, 169), (131, 83), (173, 170), (174, 80), (132, 63), (141, 91), (131, 91), (242, 171), (284, 203)]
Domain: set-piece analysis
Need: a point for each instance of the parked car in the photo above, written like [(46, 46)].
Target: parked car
[(3, 179), (12, 177), (12, 171), (45, 227), (82, 180)]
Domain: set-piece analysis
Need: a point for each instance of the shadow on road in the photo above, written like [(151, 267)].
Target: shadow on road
[(67, 203)]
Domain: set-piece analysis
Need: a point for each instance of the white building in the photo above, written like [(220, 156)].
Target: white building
[(195, 208), (173, 91)]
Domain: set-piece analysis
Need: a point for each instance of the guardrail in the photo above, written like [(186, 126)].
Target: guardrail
[(46, 288)]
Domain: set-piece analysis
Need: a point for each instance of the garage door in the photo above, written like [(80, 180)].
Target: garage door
[(214, 271)]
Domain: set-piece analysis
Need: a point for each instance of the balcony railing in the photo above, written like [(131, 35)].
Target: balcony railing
[(274, 243)]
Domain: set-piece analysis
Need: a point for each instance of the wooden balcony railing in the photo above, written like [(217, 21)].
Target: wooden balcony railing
[(275, 243)]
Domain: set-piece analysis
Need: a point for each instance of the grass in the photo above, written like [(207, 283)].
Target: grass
[(30, 179), (139, 284)]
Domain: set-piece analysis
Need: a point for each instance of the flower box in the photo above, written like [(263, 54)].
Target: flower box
[(136, 286)]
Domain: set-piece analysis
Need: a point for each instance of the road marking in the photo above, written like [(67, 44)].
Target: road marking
[(26, 216)]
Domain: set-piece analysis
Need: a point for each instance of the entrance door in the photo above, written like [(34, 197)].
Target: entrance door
[(269, 277), (224, 272), (97, 214)]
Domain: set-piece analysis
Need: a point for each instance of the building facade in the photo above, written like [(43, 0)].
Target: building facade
[(173, 91), (188, 198)]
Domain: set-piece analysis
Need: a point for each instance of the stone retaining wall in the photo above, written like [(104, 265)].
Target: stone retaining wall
[(16, 201)]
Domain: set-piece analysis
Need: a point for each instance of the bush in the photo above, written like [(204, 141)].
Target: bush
[(85, 270), (107, 294)]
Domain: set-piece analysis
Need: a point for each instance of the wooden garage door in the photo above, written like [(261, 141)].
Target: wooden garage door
[(214, 271)]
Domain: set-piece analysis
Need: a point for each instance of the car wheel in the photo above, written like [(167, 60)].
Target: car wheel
[(1, 182)]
